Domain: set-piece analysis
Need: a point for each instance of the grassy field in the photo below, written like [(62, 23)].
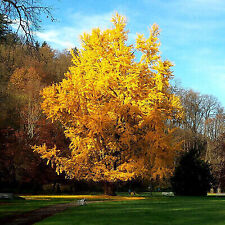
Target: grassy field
[(8, 207), (155, 211)]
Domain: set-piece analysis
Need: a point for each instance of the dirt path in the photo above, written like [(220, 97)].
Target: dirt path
[(31, 217)]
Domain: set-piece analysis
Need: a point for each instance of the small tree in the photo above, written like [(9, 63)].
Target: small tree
[(192, 176), (114, 109)]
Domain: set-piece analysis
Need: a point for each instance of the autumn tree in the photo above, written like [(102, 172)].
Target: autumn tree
[(21, 169), (24, 71), (51, 64), (114, 109), (26, 83)]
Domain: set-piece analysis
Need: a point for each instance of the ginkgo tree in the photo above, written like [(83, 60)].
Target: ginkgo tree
[(115, 109)]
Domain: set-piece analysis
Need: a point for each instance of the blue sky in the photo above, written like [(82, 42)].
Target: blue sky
[(192, 33)]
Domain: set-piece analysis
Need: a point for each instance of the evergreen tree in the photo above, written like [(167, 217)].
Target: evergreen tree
[(192, 176)]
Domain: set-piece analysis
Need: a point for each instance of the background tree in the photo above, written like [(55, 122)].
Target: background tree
[(8, 42), (203, 118), (198, 109), (215, 155), (26, 84), (23, 73), (4, 27), (215, 125), (114, 110), (202, 128), (51, 64), (192, 176), (22, 170)]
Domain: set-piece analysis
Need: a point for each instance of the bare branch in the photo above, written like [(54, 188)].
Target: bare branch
[(27, 13)]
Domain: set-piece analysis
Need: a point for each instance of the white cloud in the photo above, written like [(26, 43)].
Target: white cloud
[(15, 24), (87, 22), (68, 36), (55, 37)]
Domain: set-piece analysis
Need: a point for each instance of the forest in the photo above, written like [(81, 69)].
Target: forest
[(27, 68)]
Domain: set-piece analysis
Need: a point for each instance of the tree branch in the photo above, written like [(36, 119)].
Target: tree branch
[(27, 12)]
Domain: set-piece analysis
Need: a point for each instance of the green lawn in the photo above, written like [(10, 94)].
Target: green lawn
[(8, 207), (155, 211)]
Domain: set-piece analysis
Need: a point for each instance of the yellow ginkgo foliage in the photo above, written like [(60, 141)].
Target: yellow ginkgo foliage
[(114, 108)]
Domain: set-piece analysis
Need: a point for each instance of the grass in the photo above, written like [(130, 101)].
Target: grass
[(87, 197), (8, 207), (154, 210)]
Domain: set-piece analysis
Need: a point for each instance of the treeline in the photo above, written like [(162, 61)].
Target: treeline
[(203, 129), (25, 69)]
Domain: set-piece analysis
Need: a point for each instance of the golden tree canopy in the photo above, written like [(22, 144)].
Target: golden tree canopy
[(114, 108)]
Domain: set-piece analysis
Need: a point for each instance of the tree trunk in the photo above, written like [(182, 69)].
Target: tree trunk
[(109, 189)]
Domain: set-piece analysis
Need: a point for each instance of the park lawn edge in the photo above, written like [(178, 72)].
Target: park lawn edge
[(87, 197)]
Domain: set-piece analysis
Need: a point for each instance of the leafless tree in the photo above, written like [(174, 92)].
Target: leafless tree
[(203, 118), (25, 13)]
